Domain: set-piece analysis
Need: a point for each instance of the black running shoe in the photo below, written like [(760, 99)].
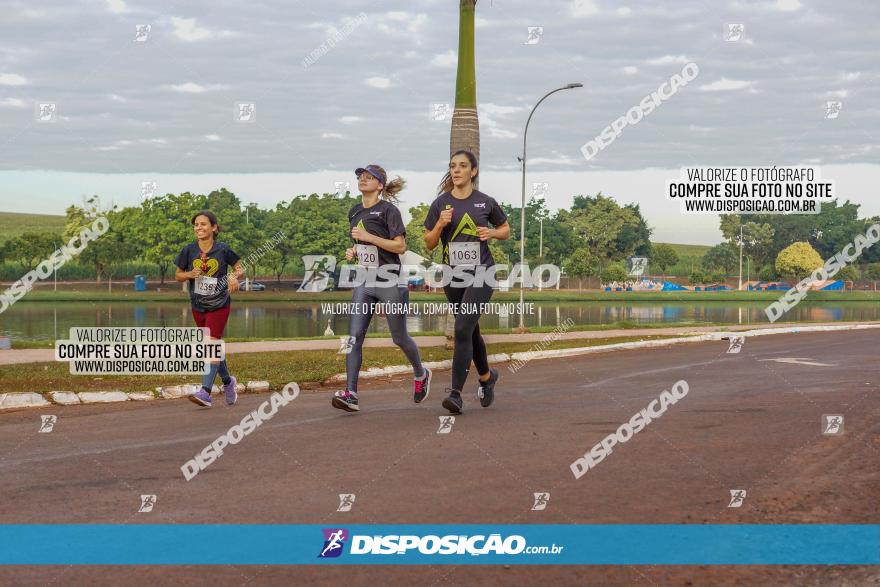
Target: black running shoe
[(422, 387), (345, 400), (453, 401), (486, 391)]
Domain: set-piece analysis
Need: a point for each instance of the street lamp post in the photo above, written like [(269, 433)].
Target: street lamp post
[(522, 213)]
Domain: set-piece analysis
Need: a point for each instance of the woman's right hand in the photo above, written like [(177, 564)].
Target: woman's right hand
[(349, 254), (445, 218), (196, 272)]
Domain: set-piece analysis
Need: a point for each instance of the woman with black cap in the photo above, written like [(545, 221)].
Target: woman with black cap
[(379, 237)]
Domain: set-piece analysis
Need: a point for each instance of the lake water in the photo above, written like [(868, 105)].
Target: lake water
[(49, 321)]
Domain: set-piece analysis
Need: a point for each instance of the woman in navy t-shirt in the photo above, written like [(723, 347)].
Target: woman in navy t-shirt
[(205, 263)]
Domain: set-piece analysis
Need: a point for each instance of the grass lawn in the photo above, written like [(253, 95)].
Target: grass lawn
[(278, 368)]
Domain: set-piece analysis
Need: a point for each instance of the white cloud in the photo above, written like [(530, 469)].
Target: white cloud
[(725, 84), (402, 24), (213, 138), (448, 59), (378, 82), (194, 88), (788, 5), (580, 8), (667, 59), (12, 103), (331, 135), (630, 70), (557, 159), (624, 11), (185, 29), (12, 79), (117, 6), (350, 119), (488, 113), (480, 22), (850, 76), (117, 98), (838, 93)]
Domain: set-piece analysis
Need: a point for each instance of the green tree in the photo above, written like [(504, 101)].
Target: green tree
[(613, 272), (610, 231), (757, 237), (31, 248), (872, 271), (557, 236), (723, 257), (664, 257), (114, 248), (581, 263), (415, 233), (797, 261), (849, 273), (165, 228), (697, 277)]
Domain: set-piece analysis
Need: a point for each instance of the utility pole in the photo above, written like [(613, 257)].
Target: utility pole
[(740, 257)]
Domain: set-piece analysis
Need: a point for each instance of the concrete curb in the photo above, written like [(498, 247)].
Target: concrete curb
[(19, 400), (9, 401), (102, 397), (65, 398)]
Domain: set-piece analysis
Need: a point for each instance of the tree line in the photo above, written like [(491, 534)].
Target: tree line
[(593, 237)]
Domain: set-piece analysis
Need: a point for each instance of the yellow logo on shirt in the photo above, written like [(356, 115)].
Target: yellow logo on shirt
[(465, 226), (213, 266)]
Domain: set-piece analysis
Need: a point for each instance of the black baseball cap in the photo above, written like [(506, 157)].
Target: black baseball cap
[(372, 170)]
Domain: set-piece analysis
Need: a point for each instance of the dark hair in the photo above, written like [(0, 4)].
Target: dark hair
[(212, 218), (446, 183)]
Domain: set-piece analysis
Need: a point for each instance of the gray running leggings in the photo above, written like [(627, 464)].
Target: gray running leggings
[(363, 298)]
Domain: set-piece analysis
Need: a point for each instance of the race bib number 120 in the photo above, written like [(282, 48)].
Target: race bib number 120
[(368, 255)]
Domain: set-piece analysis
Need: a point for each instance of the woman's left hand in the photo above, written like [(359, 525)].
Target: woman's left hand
[(232, 284)]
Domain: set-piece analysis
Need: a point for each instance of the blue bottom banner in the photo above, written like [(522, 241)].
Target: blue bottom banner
[(521, 544)]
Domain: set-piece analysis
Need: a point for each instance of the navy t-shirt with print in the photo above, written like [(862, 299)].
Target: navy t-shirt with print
[(218, 260), (383, 220), (477, 209)]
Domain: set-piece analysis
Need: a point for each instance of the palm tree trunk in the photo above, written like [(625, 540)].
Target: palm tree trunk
[(465, 133)]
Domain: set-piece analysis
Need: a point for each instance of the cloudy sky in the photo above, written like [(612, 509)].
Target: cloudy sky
[(163, 109)]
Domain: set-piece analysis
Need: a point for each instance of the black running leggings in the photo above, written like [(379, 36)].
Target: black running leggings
[(469, 345)]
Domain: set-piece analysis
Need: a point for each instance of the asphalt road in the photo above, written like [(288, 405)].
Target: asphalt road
[(750, 421)]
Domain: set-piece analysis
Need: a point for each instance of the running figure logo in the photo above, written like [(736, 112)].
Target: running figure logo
[(541, 500), (737, 496), (346, 500), (832, 424), (147, 503), (736, 343), (734, 32), (535, 33), (141, 32), (318, 271), (446, 423), (832, 109), (346, 344), (48, 423), (334, 541)]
